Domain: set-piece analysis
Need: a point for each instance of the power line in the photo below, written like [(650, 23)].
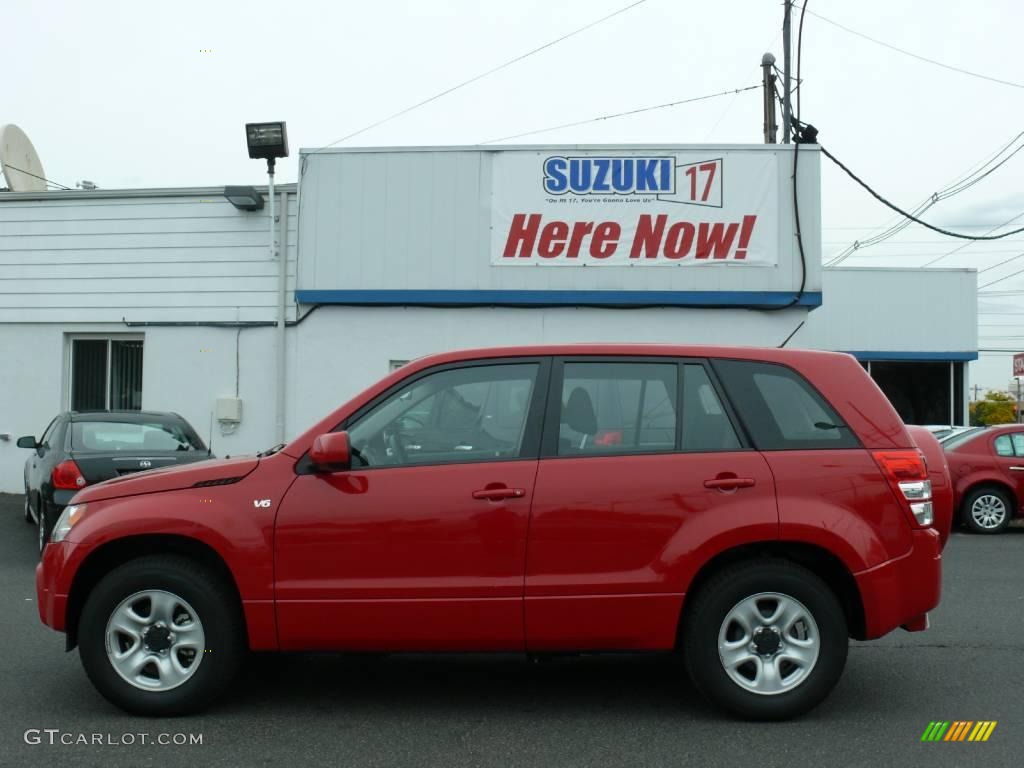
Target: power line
[(966, 180), (1005, 261), (910, 216), (482, 75), (905, 52), (35, 176), (622, 114), (961, 247), (999, 280)]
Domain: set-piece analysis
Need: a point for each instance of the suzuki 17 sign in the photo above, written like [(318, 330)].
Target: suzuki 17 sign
[(634, 209)]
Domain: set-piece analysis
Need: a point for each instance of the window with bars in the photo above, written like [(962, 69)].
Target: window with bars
[(106, 374)]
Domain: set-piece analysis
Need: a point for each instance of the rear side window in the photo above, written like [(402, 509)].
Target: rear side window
[(781, 409), (1010, 445), (706, 426), (616, 408)]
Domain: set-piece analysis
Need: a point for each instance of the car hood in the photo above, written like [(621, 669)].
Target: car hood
[(169, 479)]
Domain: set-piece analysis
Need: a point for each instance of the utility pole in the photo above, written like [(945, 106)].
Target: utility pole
[(770, 128), (975, 388), (787, 110)]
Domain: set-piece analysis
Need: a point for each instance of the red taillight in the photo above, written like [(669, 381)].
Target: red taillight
[(67, 476), (907, 473)]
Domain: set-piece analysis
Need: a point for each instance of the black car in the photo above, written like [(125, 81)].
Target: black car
[(81, 448)]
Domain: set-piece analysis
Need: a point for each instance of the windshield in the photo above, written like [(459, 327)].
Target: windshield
[(951, 441), (127, 436)]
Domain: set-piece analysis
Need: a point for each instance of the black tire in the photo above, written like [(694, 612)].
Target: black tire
[(216, 606), (707, 613), (978, 496), (44, 526), (28, 508)]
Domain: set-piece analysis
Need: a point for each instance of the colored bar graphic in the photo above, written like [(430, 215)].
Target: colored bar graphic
[(958, 730)]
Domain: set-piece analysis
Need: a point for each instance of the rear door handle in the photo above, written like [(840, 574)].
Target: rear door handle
[(1017, 469), (729, 483), (496, 494)]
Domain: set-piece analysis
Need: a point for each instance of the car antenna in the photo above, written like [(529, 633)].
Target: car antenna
[(209, 443)]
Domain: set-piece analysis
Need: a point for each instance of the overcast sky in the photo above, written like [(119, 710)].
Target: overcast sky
[(125, 94)]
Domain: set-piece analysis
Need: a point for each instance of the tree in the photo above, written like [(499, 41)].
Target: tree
[(996, 408)]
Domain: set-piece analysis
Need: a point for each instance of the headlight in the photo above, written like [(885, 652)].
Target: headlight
[(71, 515)]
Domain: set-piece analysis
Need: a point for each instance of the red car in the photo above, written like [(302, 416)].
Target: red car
[(750, 508), (987, 466)]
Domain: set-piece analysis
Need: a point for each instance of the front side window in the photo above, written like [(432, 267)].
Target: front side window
[(781, 410), (616, 408), (459, 415)]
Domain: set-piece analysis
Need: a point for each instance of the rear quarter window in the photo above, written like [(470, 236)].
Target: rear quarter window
[(780, 408)]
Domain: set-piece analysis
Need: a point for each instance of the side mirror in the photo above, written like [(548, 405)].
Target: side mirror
[(27, 442), (331, 452)]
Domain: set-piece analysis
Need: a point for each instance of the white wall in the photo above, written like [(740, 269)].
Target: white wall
[(100, 256), (867, 309)]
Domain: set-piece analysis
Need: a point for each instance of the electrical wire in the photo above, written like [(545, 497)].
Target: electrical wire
[(480, 76), (622, 114), (910, 216), (915, 55), (35, 176), (1001, 263)]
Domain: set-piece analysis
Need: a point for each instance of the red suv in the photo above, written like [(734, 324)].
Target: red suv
[(751, 508)]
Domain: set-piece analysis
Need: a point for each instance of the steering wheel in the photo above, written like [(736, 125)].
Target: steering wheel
[(393, 442), (407, 417)]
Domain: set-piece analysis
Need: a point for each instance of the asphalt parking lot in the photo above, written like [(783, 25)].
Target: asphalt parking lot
[(502, 711)]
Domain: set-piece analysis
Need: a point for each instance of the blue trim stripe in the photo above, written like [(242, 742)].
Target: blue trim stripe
[(559, 298), (940, 357)]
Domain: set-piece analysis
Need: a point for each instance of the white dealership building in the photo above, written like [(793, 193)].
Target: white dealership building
[(174, 299)]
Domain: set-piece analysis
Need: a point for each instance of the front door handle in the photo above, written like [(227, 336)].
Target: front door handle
[(729, 483), (497, 494), (1017, 469)]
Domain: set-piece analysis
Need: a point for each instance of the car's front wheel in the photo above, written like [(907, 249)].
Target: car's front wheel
[(161, 635), (766, 640), (28, 507), (986, 510)]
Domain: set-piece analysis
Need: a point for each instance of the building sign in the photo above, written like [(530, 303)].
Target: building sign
[(1018, 364), (634, 209)]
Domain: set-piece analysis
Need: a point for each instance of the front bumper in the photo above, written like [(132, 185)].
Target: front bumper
[(53, 584), (900, 592)]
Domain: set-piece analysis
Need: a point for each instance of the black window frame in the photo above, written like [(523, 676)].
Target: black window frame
[(553, 414), (807, 445), (529, 450)]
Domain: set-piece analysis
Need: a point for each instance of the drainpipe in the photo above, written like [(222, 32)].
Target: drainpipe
[(282, 287)]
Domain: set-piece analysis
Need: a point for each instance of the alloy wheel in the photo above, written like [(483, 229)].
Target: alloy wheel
[(769, 643), (155, 640), (988, 511)]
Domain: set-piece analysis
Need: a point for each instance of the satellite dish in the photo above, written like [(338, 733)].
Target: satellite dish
[(21, 165)]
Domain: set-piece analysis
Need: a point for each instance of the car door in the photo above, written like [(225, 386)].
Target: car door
[(421, 544), (1008, 449), (642, 470)]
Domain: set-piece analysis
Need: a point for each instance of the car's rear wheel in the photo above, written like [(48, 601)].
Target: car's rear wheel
[(42, 527), (766, 640), (161, 636), (986, 510)]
